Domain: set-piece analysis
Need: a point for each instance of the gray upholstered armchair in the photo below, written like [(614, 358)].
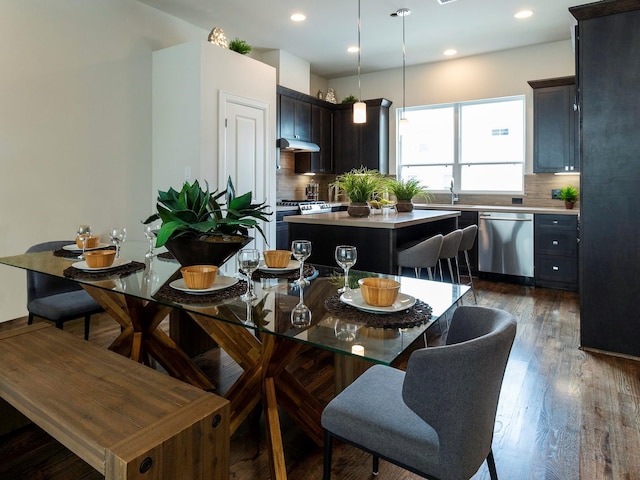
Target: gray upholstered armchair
[(57, 299), (436, 420)]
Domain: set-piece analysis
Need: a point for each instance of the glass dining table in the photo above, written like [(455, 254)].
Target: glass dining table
[(139, 292)]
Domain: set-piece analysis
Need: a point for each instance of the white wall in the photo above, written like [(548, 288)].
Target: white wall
[(75, 123), (498, 74)]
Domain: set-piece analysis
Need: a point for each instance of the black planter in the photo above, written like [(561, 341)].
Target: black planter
[(206, 250)]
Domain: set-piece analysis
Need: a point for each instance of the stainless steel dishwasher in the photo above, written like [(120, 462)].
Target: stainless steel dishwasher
[(505, 243)]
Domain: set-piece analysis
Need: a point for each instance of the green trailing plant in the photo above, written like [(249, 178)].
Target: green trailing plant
[(349, 99), (360, 184), (408, 189), (195, 211), (568, 194), (240, 46)]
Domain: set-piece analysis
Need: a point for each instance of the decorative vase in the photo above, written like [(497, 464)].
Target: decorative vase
[(404, 206), (213, 249), (358, 209), (569, 205)]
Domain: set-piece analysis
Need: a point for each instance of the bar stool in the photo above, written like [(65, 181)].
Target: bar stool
[(422, 255), (466, 243), (450, 244)]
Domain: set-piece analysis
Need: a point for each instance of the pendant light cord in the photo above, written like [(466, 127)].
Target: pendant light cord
[(359, 87)]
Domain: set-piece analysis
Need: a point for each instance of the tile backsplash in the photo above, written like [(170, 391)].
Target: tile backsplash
[(537, 187)]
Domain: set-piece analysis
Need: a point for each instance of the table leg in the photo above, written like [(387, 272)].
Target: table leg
[(140, 335)]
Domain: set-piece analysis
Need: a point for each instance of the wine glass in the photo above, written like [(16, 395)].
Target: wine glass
[(82, 234), (150, 232), (300, 314), (301, 250), (346, 256), (118, 236), (249, 259)]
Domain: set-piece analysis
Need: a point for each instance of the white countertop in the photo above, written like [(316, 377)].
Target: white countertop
[(495, 208), (389, 221)]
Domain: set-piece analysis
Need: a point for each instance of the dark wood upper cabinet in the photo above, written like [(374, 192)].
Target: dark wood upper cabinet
[(608, 74), (364, 144), (555, 126), (343, 144), (295, 118), (321, 134)]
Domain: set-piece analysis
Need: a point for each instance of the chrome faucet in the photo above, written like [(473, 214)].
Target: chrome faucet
[(454, 197)]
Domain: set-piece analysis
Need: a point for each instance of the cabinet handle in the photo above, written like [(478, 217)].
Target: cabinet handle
[(555, 222), (555, 267), (555, 242)]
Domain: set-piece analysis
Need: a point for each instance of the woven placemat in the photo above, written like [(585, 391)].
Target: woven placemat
[(122, 271), (166, 292), (307, 271), (61, 252), (166, 256), (411, 317)]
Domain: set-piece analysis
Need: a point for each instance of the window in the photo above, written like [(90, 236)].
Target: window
[(479, 145)]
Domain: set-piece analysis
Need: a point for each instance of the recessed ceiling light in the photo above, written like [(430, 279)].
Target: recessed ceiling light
[(449, 52), (353, 49), (298, 17), (523, 14)]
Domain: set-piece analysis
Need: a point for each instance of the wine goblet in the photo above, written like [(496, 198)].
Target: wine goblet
[(150, 232), (301, 250), (301, 314), (346, 256), (249, 259), (82, 234), (118, 236)]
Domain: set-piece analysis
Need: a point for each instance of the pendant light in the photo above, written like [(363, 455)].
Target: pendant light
[(403, 12), (359, 108)]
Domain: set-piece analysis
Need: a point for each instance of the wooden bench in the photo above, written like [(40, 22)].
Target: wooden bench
[(124, 419)]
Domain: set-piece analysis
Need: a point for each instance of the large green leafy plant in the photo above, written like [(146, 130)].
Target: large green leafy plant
[(361, 184), (195, 211), (407, 189)]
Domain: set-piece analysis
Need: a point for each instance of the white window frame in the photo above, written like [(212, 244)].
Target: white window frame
[(457, 165)]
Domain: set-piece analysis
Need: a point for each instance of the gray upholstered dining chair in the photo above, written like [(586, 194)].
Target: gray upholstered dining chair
[(449, 250), (467, 240), (57, 299), (422, 255), (437, 419)]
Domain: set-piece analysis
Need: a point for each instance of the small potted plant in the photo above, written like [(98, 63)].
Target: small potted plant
[(240, 46), (360, 185), (570, 195), (197, 229), (405, 191)]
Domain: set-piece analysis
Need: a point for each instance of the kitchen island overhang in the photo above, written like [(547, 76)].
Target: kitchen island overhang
[(378, 238)]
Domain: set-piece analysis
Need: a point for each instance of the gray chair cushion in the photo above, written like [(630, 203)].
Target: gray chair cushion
[(64, 306), (372, 413)]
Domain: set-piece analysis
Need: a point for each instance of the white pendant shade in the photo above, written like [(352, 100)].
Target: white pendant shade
[(359, 112), (404, 125)]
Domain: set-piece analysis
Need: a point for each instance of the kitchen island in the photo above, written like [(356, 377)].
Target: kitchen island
[(377, 237)]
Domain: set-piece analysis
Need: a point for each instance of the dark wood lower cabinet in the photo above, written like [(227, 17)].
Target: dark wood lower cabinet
[(556, 251)]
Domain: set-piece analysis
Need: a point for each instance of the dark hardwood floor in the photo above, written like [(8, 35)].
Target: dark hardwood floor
[(563, 414)]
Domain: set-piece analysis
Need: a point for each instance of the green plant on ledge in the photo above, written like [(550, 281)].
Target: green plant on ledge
[(194, 212), (240, 46), (349, 99), (568, 194), (360, 184), (408, 189)]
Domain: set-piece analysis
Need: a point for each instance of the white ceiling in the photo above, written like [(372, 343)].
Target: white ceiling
[(470, 26)]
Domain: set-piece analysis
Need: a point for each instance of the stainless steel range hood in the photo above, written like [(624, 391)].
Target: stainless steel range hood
[(294, 145)]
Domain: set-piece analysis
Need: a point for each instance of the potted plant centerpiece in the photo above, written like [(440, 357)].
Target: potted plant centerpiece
[(360, 185), (197, 229), (405, 191), (570, 195)]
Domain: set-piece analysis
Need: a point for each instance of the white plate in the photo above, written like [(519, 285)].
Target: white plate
[(354, 298), (293, 265), (74, 248), (221, 282), (118, 262)]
